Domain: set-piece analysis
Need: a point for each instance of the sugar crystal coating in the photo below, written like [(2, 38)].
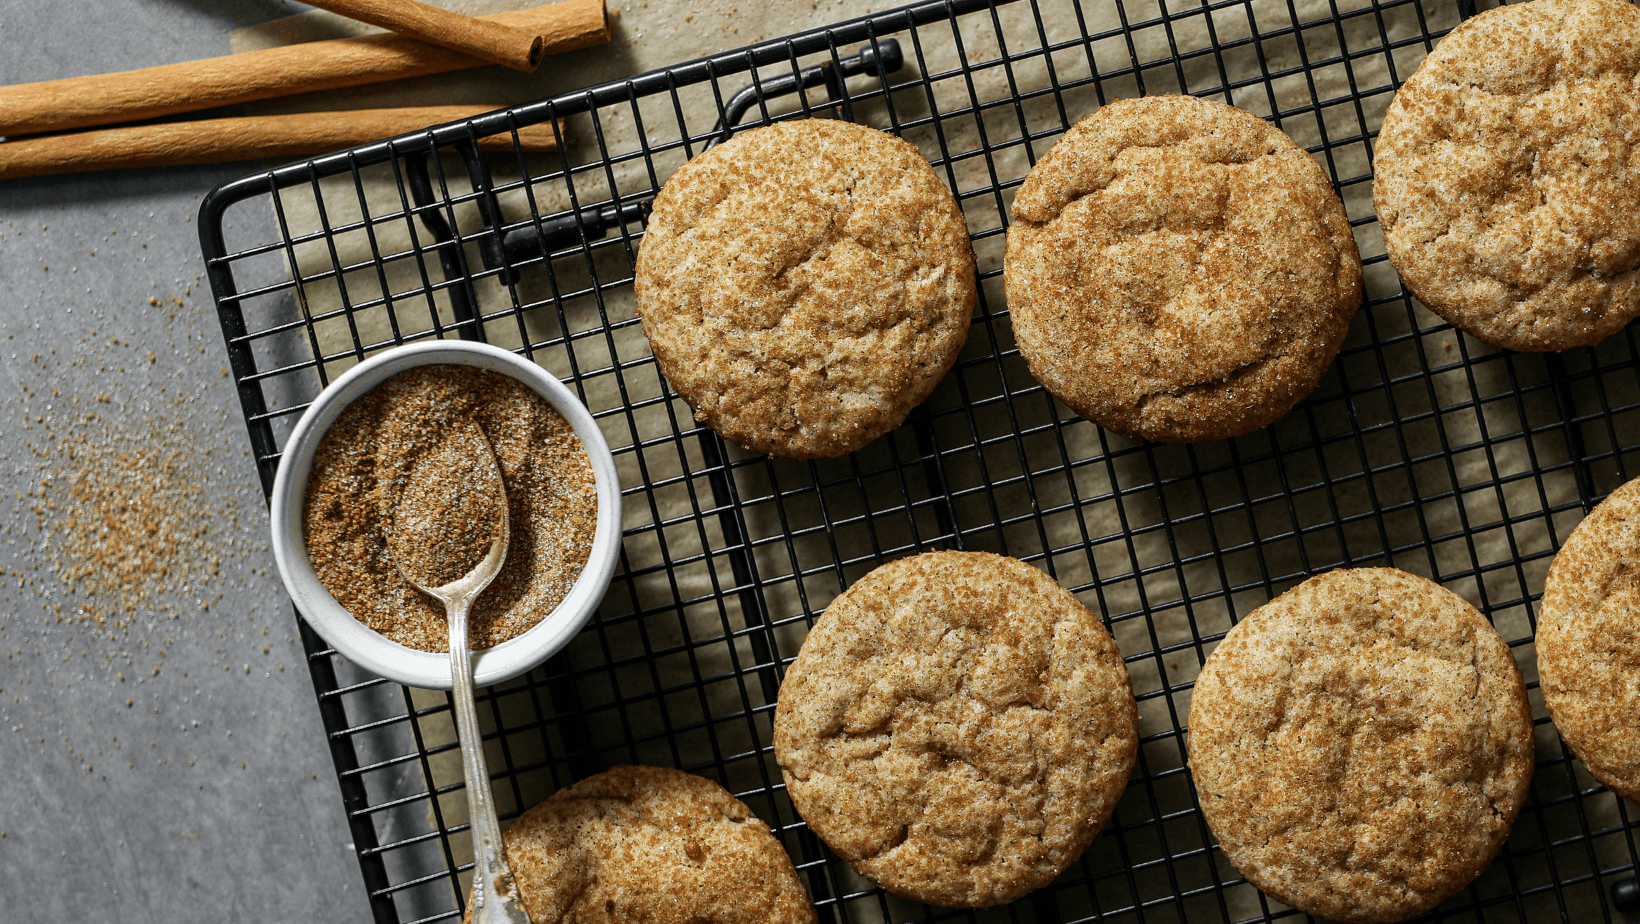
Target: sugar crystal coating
[(805, 285), (1361, 744), (1588, 641), (1179, 270), (1507, 176), (958, 727), (651, 844)]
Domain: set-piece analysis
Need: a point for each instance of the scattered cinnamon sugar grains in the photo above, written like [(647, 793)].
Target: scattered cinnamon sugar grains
[(127, 529), (116, 526), (358, 476)]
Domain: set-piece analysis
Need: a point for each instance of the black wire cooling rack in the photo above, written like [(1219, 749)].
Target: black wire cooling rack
[(1421, 448)]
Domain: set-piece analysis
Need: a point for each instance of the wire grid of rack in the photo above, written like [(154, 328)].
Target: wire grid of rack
[(1421, 448)]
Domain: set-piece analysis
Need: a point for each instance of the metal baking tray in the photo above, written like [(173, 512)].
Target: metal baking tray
[(1422, 448)]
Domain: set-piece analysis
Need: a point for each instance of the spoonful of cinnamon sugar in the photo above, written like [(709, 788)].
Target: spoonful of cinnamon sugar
[(447, 530), (450, 513)]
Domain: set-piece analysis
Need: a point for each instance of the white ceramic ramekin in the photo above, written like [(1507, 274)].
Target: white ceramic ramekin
[(374, 651)]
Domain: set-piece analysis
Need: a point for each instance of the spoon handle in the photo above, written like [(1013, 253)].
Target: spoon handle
[(494, 896)]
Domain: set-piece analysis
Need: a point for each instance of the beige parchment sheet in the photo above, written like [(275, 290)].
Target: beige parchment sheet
[(1108, 524)]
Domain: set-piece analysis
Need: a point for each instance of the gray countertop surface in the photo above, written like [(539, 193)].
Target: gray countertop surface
[(212, 793)]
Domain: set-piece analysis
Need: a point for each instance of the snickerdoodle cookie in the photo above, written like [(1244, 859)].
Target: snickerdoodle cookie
[(805, 285), (1361, 744), (958, 727), (1588, 641), (1508, 174), (651, 844), (1179, 270)]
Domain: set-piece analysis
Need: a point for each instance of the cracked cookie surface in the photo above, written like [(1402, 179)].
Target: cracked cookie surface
[(958, 727), (651, 844), (1361, 744), (1179, 270), (1588, 641), (1508, 174), (805, 285)]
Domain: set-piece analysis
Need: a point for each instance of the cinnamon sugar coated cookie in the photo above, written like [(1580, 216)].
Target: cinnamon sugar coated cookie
[(805, 285), (1508, 176), (957, 727), (1179, 270), (1588, 641), (651, 844), (1361, 744)]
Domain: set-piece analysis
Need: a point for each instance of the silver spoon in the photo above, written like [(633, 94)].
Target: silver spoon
[(495, 895)]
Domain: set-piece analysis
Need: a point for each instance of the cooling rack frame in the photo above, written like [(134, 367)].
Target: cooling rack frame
[(991, 462)]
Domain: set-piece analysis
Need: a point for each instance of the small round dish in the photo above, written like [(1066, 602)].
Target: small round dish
[(375, 652)]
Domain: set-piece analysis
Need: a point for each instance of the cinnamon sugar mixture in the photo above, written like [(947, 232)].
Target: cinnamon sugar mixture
[(407, 430), (449, 502)]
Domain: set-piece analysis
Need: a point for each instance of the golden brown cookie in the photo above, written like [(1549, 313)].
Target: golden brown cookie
[(1179, 270), (1588, 641), (1361, 744), (1507, 179), (957, 727), (651, 844), (805, 285)]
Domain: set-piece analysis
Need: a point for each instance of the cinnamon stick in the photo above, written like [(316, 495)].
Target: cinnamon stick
[(215, 140), (131, 96), (494, 42)]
